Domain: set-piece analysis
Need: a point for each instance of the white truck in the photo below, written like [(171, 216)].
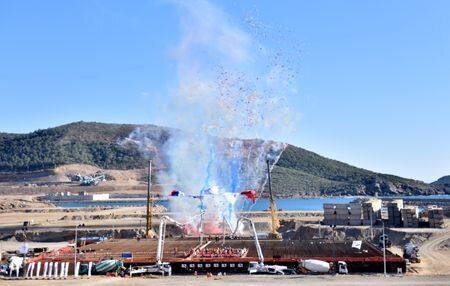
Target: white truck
[(319, 266)]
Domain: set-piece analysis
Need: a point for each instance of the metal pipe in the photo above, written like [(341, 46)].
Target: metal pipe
[(159, 251)]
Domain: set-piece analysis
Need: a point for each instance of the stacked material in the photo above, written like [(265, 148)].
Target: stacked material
[(371, 211), (342, 214), (410, 215), (394, 213), (436, 217)]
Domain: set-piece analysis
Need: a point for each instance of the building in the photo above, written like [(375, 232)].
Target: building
[(410, 216), (342, 214), (436, 217), (371, 211), (394, 208)]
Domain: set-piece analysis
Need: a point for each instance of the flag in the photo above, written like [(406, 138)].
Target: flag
[(250, 194), (176, 193), (357, 244)]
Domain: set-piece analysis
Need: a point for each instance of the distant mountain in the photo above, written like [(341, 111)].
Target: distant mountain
[(445, 181), (298, 172)]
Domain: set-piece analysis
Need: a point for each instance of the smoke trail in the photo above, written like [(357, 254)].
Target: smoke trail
[(229, 85)]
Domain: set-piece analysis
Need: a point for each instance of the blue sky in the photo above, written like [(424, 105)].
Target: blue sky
[(373, 76)]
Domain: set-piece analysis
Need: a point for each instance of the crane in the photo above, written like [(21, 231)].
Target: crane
[(273, 209), (259, 267), (160, 267)]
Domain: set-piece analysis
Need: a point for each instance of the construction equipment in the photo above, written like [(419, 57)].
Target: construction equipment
[(107, 265), (386, 239), (273, 209), (319, 266), (258, 267), (411, 252), (160, 267), (92, 181)]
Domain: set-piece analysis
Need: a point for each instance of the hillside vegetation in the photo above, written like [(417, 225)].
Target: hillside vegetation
[(85, 143), (443, 181), (298, 172)]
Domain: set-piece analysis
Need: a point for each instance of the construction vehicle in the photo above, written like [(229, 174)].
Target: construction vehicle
[(321, 267), (258, 267), (273, 209), (160, 267), (92, 181), (411, 252), (386, 239)]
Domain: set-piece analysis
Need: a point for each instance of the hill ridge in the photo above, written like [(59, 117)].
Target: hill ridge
[(298, 171)]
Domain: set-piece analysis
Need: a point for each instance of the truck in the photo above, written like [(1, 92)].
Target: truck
[(411, 252), (92, 181), (321, 267)]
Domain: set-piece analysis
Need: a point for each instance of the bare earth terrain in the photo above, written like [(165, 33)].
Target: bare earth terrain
[(435, 254)]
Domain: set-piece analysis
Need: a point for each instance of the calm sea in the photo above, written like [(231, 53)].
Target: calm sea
[(292, 204)]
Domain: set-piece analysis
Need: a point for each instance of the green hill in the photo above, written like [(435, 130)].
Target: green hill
[(86, 143), (303, 172), (298, 172), (443, 181)]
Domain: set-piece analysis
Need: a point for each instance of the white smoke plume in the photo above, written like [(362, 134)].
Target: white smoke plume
[(229, 85)]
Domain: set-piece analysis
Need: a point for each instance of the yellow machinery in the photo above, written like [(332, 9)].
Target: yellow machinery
[(273, 208)]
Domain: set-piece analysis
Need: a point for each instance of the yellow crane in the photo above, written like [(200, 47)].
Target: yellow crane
[(273, 208)]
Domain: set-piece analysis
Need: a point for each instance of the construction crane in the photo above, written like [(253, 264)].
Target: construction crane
[(160, 267), (259, 267), (273, 209)]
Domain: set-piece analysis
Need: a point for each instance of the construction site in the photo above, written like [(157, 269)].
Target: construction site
[(168, 247)]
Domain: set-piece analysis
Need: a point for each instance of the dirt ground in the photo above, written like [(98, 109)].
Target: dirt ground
[(435, 255), (246, 280)]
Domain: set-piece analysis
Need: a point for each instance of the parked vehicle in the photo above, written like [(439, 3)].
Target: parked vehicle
[(319, 266)]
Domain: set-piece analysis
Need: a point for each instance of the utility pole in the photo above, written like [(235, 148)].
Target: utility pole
[(149, 201), (75, 248), (384, 250), (334, 245)]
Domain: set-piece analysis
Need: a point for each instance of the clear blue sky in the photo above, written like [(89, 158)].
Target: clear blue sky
[(374, 76)]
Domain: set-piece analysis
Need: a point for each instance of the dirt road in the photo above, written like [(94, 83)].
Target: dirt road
[(435, 255)]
